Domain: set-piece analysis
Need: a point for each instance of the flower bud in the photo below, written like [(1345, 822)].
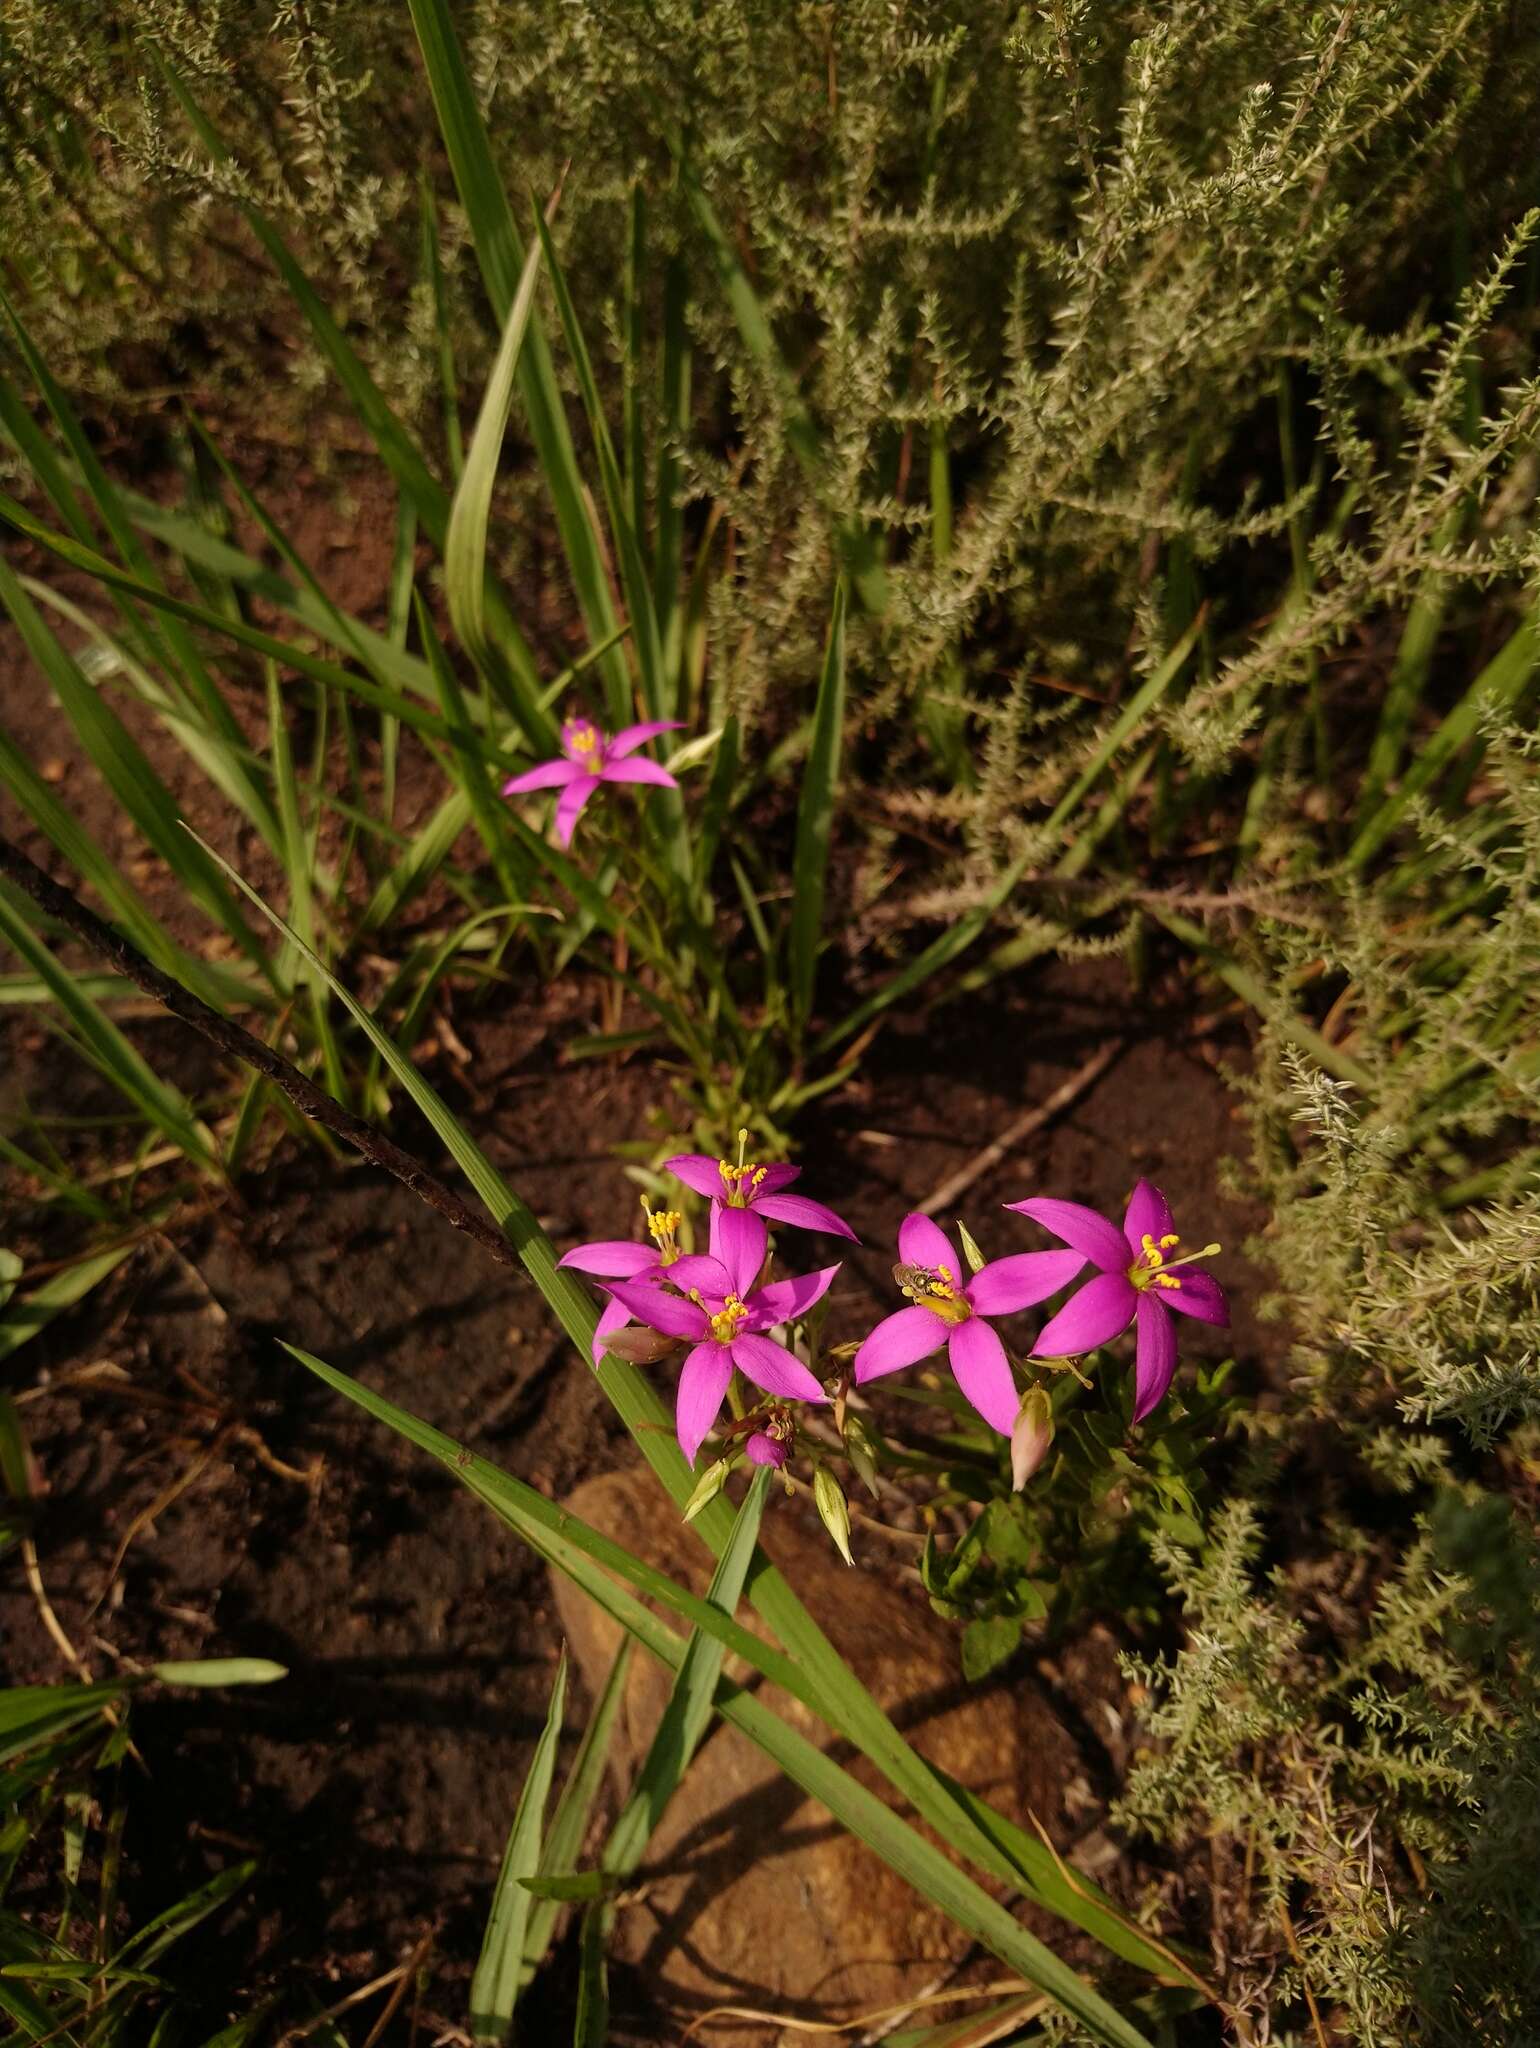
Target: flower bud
[(708, 1486), (861, 1450), (832, 1511), (763, 1449), (1031, 1437), (638, 1346)]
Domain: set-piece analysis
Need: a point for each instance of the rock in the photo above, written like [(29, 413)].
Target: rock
[(751, 1895)]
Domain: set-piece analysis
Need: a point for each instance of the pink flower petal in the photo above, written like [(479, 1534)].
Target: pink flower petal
[(641, 770), (612, 1317), (739, 1238), (630, 737), (1154, 1356), (804, 1214), (783, 1300), (923, 1243), (773, 1178), (982, 1370), (658, 1310), (615, 1258), (700, 1174), (1094, 1314), (771, 1366), (569, 806), (900, 1340), (1148, 1215), (764, 1450), (701, 1274), (549, 775), (1102, 1242), (1198, 1294), (1005, 1285), (702, 1389)]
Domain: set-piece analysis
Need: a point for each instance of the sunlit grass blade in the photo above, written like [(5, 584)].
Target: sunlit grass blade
[(157, 1101), (625, 534), (500, 254), (465, 545), (588, 1559), (124, 767), (495, 1986), (815, 818), (163, 639), (688, 1713), (396, 447), (574, 1808), (23, 1317)]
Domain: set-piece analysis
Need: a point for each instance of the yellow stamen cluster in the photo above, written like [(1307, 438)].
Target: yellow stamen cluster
[(1146, 1269), (724, 1324), (740, 1182), (663, 1228), (582, 741)]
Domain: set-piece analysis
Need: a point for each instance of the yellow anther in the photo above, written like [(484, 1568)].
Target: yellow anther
[(724, 1324), (1151, 1251), (1167, 1280), (1167, 1242)]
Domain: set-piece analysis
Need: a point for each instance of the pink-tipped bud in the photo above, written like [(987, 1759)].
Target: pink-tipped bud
[(1031, 1437), (765, 1450)]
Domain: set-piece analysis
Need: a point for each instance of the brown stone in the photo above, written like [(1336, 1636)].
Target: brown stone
[(751, 1894)]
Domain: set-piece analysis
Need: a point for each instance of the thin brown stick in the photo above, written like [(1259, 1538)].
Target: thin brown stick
[(237, 1043), (1024, 1126)]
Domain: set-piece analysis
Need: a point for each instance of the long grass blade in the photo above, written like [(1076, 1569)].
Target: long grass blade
[(501, 256), (495, 1985), (815, 818)]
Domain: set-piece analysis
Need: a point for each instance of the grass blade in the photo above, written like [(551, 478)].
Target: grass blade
[(465, 545), (495, 1986), (815, 818), (157, 1101), (21, 1320), (569, 1824), (500, 254)]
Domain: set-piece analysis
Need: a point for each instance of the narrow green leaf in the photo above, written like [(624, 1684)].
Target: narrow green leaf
[(22, 1319), (500, 254), (158, 1101), (815, 817), (569, 1823), (495, 1986), (221, 1671), (465, 544)]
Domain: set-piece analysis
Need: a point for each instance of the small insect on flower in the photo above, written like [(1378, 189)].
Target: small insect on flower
[(945, 1311), (1142, 1278), (589, 757)]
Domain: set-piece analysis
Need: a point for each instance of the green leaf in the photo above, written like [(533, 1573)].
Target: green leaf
[(465, 545), (500, 254), (987, 1642), (815, 817), (569, 1824), (221, 1671), (495, 1986), (156, 1100), (567, 1885)]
